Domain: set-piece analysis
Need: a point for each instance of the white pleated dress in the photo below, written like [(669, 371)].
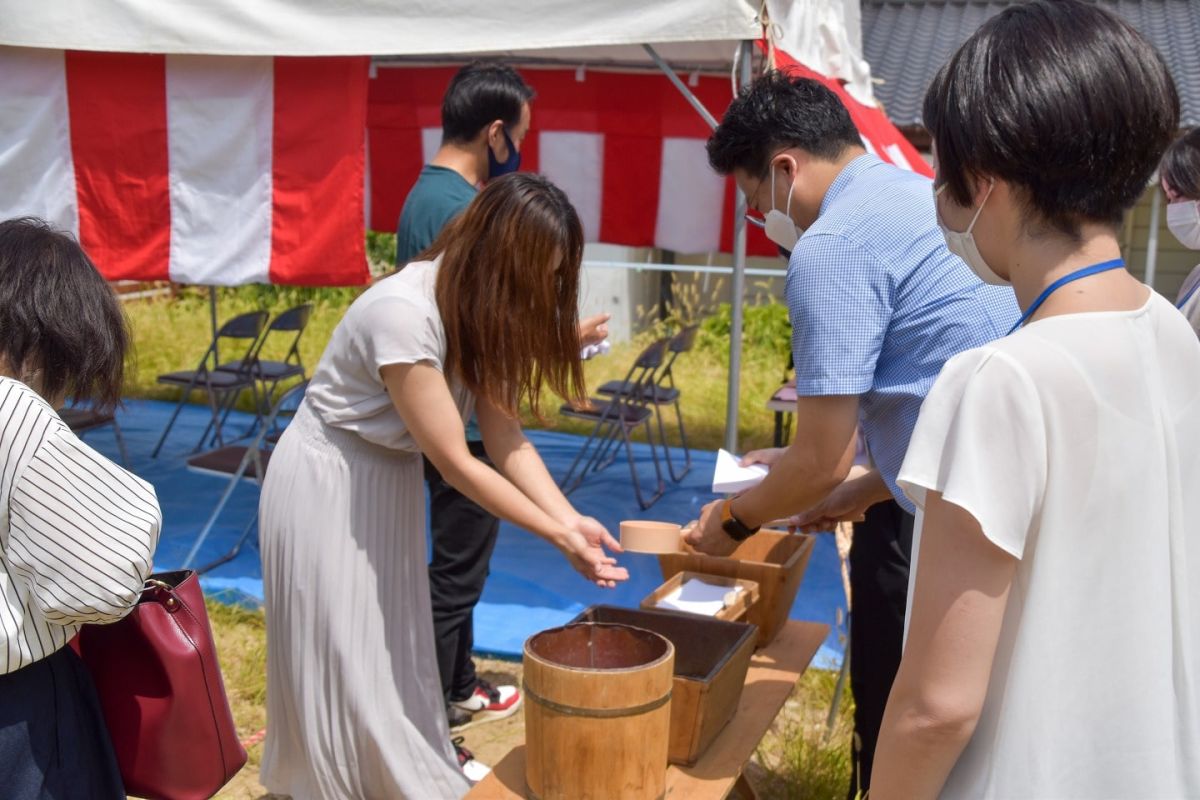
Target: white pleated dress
[(354, 704)]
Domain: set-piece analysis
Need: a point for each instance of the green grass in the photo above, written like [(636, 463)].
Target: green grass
[(801, 758), (172, 334), (241, 640)]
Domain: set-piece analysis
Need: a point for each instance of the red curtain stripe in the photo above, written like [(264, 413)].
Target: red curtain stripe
[(118, 110), (317, 172)]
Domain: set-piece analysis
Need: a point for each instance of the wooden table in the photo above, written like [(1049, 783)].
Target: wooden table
[(773, 673)]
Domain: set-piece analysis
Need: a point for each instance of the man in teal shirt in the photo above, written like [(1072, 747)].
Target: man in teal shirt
[(485, 116)]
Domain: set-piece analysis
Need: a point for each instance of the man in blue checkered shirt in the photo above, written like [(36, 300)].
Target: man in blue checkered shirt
[(877, 304)]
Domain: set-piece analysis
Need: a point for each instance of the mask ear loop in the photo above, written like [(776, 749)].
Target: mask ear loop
[(787, 209), (772, 185), (975, 218)]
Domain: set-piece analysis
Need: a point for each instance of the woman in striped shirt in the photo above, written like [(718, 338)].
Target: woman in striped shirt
[(77, 532)]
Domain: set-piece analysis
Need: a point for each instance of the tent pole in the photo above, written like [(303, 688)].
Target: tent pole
[(1152, 243), (212, 313), (681, 86), (739, 284)]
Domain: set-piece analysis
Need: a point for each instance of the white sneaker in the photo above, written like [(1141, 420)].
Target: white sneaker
[(487, 704), (474, 770)]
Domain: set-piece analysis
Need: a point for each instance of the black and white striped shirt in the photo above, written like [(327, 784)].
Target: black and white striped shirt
[(77, 532)]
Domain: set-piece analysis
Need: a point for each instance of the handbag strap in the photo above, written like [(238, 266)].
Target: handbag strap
[(154, 585)]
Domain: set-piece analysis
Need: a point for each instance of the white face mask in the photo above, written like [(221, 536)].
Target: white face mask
[(778, 224), (963, 244), (1183, 220)]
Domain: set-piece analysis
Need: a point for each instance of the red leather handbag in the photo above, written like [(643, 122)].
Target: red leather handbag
[(161, 690)]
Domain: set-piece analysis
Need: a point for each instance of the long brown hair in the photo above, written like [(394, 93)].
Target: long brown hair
[(508, 293)]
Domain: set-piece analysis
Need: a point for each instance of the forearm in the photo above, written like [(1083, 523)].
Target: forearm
[(915, 753), (518, 460), (500, 497), (869, 486), (796, 483)]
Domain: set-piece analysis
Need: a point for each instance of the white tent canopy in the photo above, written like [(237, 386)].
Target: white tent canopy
[(688, 35), (370, 27)]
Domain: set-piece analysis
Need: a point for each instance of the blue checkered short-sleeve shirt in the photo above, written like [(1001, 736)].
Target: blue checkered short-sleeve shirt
[(878, 304)]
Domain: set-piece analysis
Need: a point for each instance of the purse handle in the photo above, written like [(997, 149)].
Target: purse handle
[(153, 584)]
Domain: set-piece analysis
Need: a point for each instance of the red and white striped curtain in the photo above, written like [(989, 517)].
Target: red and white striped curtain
[(627, 149), (199, 169), (225, 170)]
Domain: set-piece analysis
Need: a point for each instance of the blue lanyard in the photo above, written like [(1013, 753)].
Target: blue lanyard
[(1094, 269), (1183, 300)]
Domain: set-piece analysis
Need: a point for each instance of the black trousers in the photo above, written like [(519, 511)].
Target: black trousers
[(464, 535), (879, 563)]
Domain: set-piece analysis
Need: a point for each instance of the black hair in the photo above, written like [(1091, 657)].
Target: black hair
[(1064, 100), (58, 315), (479, 94), (776, 112), (1181, 164)]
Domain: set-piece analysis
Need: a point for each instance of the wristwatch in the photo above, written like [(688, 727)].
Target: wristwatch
[(734, 527)]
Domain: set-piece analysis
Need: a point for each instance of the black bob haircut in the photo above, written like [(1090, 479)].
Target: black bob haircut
[(479, 94), (1181, 165), (777, 112), (1062, 99), (58, 315)]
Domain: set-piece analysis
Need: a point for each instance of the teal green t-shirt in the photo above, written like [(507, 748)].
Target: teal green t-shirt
[(439, 195)]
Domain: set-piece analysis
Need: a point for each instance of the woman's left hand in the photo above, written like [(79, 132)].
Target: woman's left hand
[(584, 543)]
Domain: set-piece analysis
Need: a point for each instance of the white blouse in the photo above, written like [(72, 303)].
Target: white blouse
[(77, 532), (396, 321), (1075, 443)]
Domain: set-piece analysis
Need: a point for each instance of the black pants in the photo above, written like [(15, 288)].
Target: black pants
[(879, 562), (464, 535)]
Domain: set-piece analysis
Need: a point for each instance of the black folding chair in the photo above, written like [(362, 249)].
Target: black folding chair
[(219, 386), (83, 420), (270, 374), (240, 463), (783, 404), (615, 419), (664, 392)]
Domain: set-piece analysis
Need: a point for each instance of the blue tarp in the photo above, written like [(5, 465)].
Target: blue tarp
[(531, 586)]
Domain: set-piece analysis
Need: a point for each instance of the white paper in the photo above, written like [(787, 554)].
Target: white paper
[(729, 477), (699, 597)]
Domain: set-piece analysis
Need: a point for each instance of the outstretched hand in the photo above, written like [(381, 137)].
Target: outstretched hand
[(584, 544), (593, 329)]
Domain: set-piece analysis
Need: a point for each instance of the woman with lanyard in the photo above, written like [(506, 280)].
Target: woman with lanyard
[(1181, 183), (1053, 627)]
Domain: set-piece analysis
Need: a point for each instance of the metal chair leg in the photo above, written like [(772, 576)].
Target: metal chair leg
[(683, 442), (171, 422), (120, 443), (233, 552), (637, 489), (216, 512), (579, 456)]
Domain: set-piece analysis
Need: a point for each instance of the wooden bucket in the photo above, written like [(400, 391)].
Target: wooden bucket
[(597, 712)]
